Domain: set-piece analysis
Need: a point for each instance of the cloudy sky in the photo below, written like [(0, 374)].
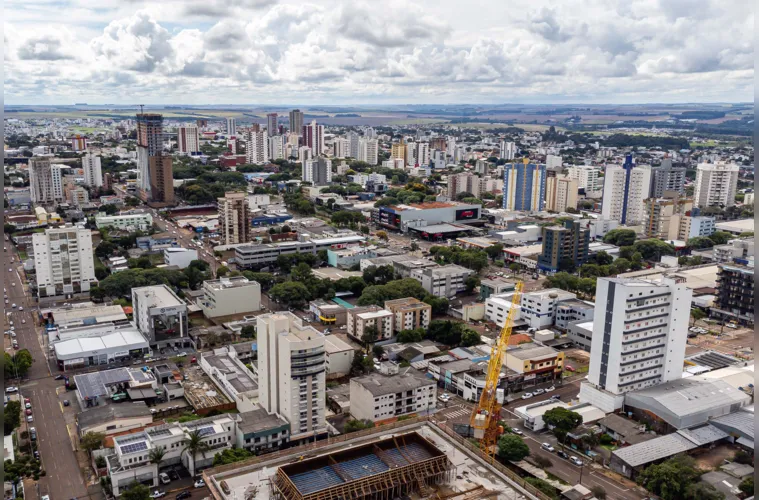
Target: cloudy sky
[(389, 51)]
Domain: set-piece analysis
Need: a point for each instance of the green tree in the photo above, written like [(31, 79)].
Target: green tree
[(543, 486), (406, 336), (747, 486), (105, 249), (378, 275), (700, 242), (654, 249), (194, 444), (21, 362), (248, 332), (156, 456), (222, 271), (620, 237), (598, 491), (439, 304), (231, 455), (291, 293), (266, 280), (382, 235), (136, 491), (470, 337), (11, 416), (562, 420), (721, 237), (512, 448), (92, 441), (669, 479), (702, 491), (354, 425), (471, 282), (696, 314)]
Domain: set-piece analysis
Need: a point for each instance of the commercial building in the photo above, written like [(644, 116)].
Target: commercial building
[(230, 296), (81, 314), (497, 286), (348, 257), (667, 178), (497, 308), (360, 319), (573, 310), (339, 357), (98, 345), (234, 218), (313, 137), (716, 184), (586, 177), (381, 398), (296, 121), (535, 362), (638, 338), (135, 221), (317, 171), (538, 309), (736, 227), (291, 373), (532, 413), (443, 281), (248, 256), (625, 188), (581, 333), (524, 186), (188, 140), (231, 376), (419, 215), (328, 313), (261, 432), (93, 175), (561, 194), (45, 183), (735, 293), (63, 261), (180, 257), (564, 245), (160, 315), (740, 249), (114, 419), (409, 313)]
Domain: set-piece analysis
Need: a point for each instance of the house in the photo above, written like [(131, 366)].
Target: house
[(114, 418), (623, 430)]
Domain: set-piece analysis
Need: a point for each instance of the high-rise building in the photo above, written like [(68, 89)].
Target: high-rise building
[(450, 146), (554, 162), (562, 245), (296, 121), (422, 153), (638, 340), (625, 188), (716, 184), (561, 194), (63, 261), (291, 373), (667, 178), (463, 183), (149, 145), (271, 124), (234, 218), (354, 141), (398, 150), (161, 180), (317, 171), (524, 186), (664, 216), (304, 153), (78, 143), (45, 182), (692, 227), (368, 151), (412, 150), (586, 176), (231, 126), (93, 176), (341, 148), (188, 140), (257, 147), (735, 292), (313, 137), (276, 148), (508, 150)]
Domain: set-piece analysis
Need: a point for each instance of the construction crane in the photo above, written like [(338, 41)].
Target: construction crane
[(484, 420)]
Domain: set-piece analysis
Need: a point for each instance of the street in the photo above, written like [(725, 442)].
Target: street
[(184, 239)]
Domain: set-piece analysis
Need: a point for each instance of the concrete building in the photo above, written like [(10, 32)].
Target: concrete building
[(362, 318), (341, 147), (79, 197), (419, 215), (532, 413), (535, 362), (339, 357), (735, 293), (93, 175), (716, 184), (443, 281), (160, 315), (231, 127), (328, 313), (562, 245), (497, 308), (581, 333), (638, 338), (150, 146), (45, 183), (230, 296), (313, 137), (188, 140), (256, 147), (318, 171), (463, 183), (234, 218), (141, 221), (276, 145), (409, 313), (736, 227), (99, 345), (253, 256), (292, 373), (524, 187), (161, 180), (573, 310), (348, 257), (231, 376), (296, 121), (667, 178), (180, 257), (271, 124), (740, 249), (63, 261), (508, 150), (260, 432), (586, 176), (380, 398), (114, 419), (539, 308), (625, 188), (665, 216), (692, 227), (561, 194)]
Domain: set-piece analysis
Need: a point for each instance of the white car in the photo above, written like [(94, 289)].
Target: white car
[(158, 494), (20, 308), (200, 483), (11, 389), (165, 479), (538, 392), (731, 325), (30, 418), (527, 395), (517, 431), (576, 461), (547, 447), (550, 389), (23, 321), (13, 306)]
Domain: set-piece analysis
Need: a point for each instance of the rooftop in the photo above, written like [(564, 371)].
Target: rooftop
[(161, 294), (238, 377), (423, 206), (259, 420), (85, 313), (333, 344), (380, 385), (102, 414), (232, 282), (128, 338), (654, 449), (632, 431), (531, 352), (96, 384), (443, 228)]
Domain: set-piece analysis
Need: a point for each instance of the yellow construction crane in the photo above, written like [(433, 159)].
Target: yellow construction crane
[(485, 416)]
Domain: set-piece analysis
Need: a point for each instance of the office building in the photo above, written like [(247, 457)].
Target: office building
[(136, 221), (291, 373), (317, 171), (235, 295), (538, 309), (257, 147), (231, 126), (524, 186), (160, 315), (257, 256), (508, 150), (421, 215), (271, 124), (535, 362), (735, 292), (63, 261), (463, 183), (45, 182), (161, 180), (443, 281), (313, 137), (360, 319), (409, 313), (179, 257), (716, 184), (563, 246), (625, 188), (234, 218), (188, 140), (586, 177), (638, 338), (93, 175), (561, 194), (667, 178), (296, 121), (741, 249), (383, 398), (149, 145)]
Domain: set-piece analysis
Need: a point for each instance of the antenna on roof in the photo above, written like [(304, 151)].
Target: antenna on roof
[(142, 111)]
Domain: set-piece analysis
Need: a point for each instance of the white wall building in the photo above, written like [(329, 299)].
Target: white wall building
[(497, 307), (368, 151), (539, 308), (508, 150), (63, 260), (128, 222), (231, 126), (229, 296), (716, 184), (93, 175), (339, 356), (341, 147), (553, 161), (180, 257), (639, 337), (160, 315), (317, 171), (625, 188), (443, 281), (276, 147), (380, 398), (188, 140), (359, 319), (257, 147), (45, 184), (586, 176)]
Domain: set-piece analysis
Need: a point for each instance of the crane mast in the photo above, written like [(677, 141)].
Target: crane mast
[(484, 420)]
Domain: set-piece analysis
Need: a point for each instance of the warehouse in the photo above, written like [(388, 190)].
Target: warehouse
[(115, 346), (418, 215)]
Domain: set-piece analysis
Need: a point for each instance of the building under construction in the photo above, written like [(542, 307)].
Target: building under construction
[(384, 469)]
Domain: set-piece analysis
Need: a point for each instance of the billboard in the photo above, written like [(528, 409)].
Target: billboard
[(467, 214)]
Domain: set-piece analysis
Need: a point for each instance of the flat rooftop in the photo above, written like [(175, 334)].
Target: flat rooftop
[(233, 282), (335, 274), (379, 385), (86, 313), (238, 378), (162, 295), (443, 228), (527, 351)]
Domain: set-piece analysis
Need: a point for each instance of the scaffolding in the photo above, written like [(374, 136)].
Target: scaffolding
[(381, 470)]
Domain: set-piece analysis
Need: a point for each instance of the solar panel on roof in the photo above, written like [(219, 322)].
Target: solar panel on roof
[(206, 431), (134, 447)]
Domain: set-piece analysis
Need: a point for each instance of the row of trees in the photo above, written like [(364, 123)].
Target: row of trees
[(120, 284), (473, 259), (716, 238), (446, 332), (18, 364)]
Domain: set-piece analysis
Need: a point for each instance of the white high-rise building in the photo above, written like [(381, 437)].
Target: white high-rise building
[(257, 147), (317, 171), (276, 148), (450, 145), (422, 154), (188, 140), (231, 126), (561, 194), (553, 161), (508, 150), (411, 154), (639, 338), (63, 261), (716, 184), (272, 128), (625, 188), (304, 153), (586, 176), (93, 175), (296, 122), (341, 148), (234, 218), (45, 183), (368, 151), (313, 137), (353, 144), (291, 373)]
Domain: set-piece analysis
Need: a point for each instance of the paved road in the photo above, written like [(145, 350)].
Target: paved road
[(185, 240), (63, 479)]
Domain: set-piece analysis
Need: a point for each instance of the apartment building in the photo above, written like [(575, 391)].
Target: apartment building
[(313, 137), (741, 249), (409, 313), (667, 178), (691, 227), (229, 296), (160, 315), (524, 186), (256, 147), (256, 256), (625, 188), (463, 183), (292, 373), (535, 362), (564, 244), (45, 182), (317, 171), (561, 194), (538, 309), (716, 184), (231, 126), (508, 150), (586, 176), (63, 261), (384, 398), (638, 338), (296, 121), (136, 221), (360, 319), (735, 292), (179, 257), (234, 218), (93, 175), (188, 140), (664, 216), (161, 180), (149, 144), (443, 281)]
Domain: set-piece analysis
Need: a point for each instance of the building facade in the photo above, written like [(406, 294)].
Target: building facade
[(667, 178), (716, 184), (161, 180), (188, 140), (586, 177), (63, 261), (563, 245), (149, 145), (443, 281), (45, 182), (230, 296), (735, 293), (409, 313), (234, 218), (313, 137), (296, 121), (380, 398), (361, 319), (93, 175), (561, 194), (317, 171), (524, 186), (160, 315)]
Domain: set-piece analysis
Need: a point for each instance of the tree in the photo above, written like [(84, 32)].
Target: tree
[(222, 271), (700, 242), (703, 491), (378, 351), (291, 293), (136, 491), (697, 315), (248, 332), (439, 304), (406, 336), (105, 249), (9, 228), (603, 259), (598, 491), (747, 486), (382, 235), (11, 416), (567, 265), (92, 441), (354, 425), (378, 275), (620, 237), (721, 237), (562, 420), (471, 282), (654, 249), (194, 444), (670, 478), (231, 455), (369, 337), (156, 456), (470, 337), (512, 448)]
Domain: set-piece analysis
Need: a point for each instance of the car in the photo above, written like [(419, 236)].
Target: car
[(173, 474), (547, 447), (562, 454), (182, 355), (66, 402), (556, 397), (517, 431), (200, 483), (527, 395), (13, 335), (30, 418), (13, 306), (20, 308), (10, 270), (27, 405), (28, 411), (550, 389), (59, 377), (23, 321), (569, 368), (183, 495), (164, 478), (33, 433), (731, 325), (45, 497), (158, 494), (538, 392), (27, 400), (37, 454), (11, 389), (576, 461)]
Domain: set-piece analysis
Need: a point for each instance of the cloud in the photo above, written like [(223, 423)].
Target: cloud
[(389, 26), (222, 8), (137, 43), (43, 48)]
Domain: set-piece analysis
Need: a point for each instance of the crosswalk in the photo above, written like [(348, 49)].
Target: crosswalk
[(451, 413)]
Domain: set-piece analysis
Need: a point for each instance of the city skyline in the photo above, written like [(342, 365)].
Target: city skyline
[(340, 53)]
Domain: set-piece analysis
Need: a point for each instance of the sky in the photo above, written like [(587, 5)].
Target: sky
[(382, 52)]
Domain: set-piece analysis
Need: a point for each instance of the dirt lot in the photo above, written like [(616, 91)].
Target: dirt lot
[(712, 459)]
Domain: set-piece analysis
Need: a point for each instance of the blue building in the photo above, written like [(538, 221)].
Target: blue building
[(524, 186), (270, 220)]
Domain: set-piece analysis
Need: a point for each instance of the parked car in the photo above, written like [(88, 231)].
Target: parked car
[(33, 433), (37, 454), (547, 447), (576, 461), (183, 495), (158, 494), (562, 454), (28, 411), (527, 395), (200, 483), (164, 478), (731, 325), (66, 402), (569, 368), (550, 389), (538, 392), (556, 397), (30, 418), (173, 474), (59, 377), (517, 431), (11, 389)]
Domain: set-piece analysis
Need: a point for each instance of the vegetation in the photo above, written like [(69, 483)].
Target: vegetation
[(512, 447), (354, 425), (11, 417), (598, 491), (747, 486), (92, 441), (136, 491), (18, 364), (120, 284), (230, 456), (194, 444), (562, 421), (670, 479), (565, 281), (620, 237), (543, 486), (472, 259)]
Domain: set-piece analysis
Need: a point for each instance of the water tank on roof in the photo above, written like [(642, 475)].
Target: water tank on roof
[(553, 295)]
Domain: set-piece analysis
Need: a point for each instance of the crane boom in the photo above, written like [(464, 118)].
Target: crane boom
[(485, 416)]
